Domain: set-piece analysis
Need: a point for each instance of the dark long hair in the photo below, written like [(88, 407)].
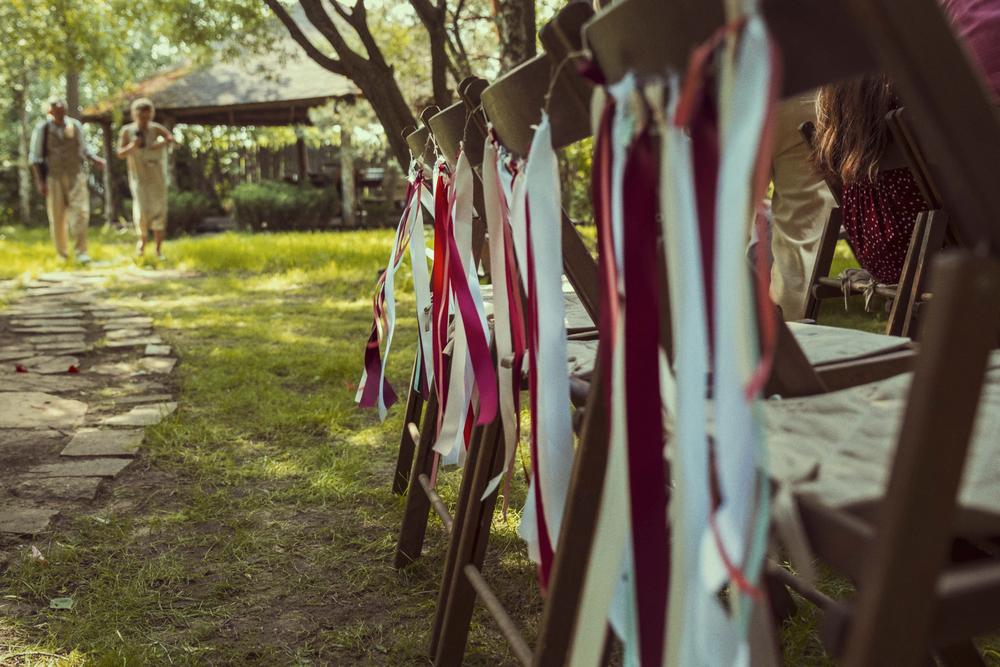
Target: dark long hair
[(851, 133)]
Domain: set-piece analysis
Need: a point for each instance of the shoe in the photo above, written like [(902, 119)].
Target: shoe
[(83, 258), (161, 257)]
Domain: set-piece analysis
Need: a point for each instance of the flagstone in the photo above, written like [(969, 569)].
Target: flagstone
[(64, 339), (47, 383), (133, 342), (158, 350), (149, 398), (25, 520), (143, 415), (44, 312), (33, 409), (104, 467), (118, 334), (127, 368), (63, 348), (17, 444), (53, 290), (49, 330), (53, 365), (104, 442), (128, 323), (159, 364), (57, 488), (46, 322), (15, 355)]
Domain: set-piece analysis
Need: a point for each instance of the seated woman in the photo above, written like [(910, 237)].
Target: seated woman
[(881, 200)]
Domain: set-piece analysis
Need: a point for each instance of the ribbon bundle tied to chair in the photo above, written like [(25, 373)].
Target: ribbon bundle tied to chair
[(374, 389), (713, 151)]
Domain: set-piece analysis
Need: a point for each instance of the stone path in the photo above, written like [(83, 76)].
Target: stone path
[(80, 378)]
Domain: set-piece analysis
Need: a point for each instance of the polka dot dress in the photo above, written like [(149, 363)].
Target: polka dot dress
[(879, 217)]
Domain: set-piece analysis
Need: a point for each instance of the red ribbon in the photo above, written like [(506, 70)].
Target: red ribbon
[(647, 468)]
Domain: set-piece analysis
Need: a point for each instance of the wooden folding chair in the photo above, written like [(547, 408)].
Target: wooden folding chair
[(910, 602), (926, 237)]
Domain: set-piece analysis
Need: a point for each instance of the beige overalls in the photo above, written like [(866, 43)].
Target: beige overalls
[(147, 178), (801, 207), (68, 200)]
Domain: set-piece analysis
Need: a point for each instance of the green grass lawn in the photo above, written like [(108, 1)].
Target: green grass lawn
[(258, 526)]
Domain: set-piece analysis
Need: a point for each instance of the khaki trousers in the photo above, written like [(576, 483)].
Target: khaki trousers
[(801, 206), (68, 206)]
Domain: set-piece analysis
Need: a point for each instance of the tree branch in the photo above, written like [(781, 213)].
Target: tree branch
[(296, 33)]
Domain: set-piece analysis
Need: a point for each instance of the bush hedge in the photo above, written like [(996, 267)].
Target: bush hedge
[(186, 210), (279, 206)]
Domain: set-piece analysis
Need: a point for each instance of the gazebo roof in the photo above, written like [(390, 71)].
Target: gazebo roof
[(270, 89)]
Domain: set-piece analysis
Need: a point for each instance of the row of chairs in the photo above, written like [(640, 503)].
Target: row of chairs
[(896, 548)]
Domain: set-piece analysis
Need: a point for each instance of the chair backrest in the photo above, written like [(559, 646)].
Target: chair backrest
[(902, 133)]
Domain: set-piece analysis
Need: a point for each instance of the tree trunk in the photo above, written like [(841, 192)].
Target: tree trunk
[(347, 204), (369, 72), (434, 18), (378, 86), (439, 65), (25, 183), (73, 92), (516, 25)]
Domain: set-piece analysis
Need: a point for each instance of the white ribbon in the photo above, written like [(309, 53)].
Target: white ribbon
[(422, 282), (553, 420), (496, 218), (690, 500)]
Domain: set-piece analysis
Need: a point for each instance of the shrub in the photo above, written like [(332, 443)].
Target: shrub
[(186, 210), (274, 205)]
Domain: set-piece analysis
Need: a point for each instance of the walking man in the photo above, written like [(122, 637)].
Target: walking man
[(144, 144), (57, 153)]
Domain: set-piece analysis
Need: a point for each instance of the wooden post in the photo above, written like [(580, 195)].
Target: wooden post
[(347, 186), (110, 204), (303, 155)]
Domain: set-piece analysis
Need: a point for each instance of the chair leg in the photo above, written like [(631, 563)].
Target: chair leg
[(414, 526), (824, 260), (894, 606), (935, 232), (903, 304), (414, 408), (575, 537), (458, 527), (475, 532)]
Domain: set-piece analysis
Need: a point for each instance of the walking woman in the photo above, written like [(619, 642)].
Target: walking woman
[(143, 144)]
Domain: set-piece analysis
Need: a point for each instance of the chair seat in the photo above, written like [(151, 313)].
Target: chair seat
[(837, 447), (826, 345)]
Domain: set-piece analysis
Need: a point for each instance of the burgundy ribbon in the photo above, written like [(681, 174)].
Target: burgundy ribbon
[(373, 357), (479, 350), (646, 464), (439, 290)]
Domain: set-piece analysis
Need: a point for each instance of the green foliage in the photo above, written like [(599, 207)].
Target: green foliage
[(186, 210), (277, 206)]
